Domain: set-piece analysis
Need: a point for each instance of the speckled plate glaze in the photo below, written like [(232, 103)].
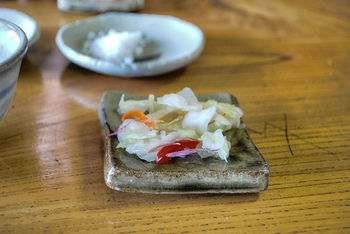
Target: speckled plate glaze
[(246, 170)]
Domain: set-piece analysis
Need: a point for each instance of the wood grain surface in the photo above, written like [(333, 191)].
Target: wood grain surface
[(288, 62)]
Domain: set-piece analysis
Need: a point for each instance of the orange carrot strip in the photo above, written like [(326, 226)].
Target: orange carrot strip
[(134, 113), (148, 122), (140, 116)]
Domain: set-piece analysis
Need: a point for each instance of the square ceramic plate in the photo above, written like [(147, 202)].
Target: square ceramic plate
[(246, 169)]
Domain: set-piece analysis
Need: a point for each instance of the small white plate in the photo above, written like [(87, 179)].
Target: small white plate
[(178, 43), (25, 22)]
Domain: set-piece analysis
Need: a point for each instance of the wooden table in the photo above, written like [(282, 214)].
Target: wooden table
[(288, 62)]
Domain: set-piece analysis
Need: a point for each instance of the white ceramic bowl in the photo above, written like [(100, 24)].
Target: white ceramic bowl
[(179, 42), (25, 22), (13, 46)]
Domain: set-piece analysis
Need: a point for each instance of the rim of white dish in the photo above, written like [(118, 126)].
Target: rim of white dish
[(20, 50), (77, 57), (34, 36)]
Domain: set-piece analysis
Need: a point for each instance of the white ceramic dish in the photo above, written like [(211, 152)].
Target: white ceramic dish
[(13, 46), (26, 23), (178, 43)]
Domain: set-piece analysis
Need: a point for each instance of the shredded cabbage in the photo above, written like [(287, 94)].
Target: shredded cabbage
[(138, 138), (199, 120), (178, 116), (219, 122), (217, 144), (184, 100), (231, 112), (141, 105)]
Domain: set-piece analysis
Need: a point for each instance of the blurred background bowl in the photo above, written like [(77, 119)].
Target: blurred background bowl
[(13, 46), (25, 22)]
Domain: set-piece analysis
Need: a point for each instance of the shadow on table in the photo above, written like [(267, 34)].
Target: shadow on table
[(86, 87), (28, 67)]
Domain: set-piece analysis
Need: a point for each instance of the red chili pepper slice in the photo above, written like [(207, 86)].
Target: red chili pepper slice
[(161, 155), (180, 145)]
